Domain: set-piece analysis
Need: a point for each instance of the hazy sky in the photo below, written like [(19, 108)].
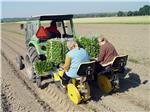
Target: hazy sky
[(29, 8)]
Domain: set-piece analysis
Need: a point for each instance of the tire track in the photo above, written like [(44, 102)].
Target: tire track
[(5, 104), (43, 104)]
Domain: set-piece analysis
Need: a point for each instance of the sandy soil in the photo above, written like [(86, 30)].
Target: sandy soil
[(134, 89)]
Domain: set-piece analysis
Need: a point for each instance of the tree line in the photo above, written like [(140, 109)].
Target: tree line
[(145, 10)]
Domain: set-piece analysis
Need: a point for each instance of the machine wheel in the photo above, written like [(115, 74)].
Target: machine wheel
[(115, 83), (19, 63), (38, 81), (87, 94), (73, 94), (104, 84)]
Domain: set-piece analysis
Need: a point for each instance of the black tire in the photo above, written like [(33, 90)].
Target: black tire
[(19, 62), (38, 82), (115, 84), (32, 57)]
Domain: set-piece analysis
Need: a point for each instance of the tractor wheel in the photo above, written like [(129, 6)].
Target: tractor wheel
[(73, 94), (33, 54), (29, 68), (104, 84), (31, 57), (19, 63)]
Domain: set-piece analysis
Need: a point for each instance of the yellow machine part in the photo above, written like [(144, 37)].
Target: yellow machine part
[(58, 75), (73, 94), (60, 72), (104, 84)]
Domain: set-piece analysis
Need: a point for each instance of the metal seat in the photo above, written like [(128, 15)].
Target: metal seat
[(119, 62), (86, 69), (117, 65)]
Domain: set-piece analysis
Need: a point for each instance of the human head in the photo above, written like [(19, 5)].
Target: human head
[(53, 23), (102, 40), (71, 44)]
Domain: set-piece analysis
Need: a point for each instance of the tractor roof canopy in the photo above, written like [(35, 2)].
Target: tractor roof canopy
[(52, 17)]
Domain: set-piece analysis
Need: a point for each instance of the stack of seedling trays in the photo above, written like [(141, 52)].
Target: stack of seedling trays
[(56, 50)]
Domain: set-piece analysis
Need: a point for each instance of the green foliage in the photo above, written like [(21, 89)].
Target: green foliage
[(42, 66), (144, 10), (121, 13), (54, 51), (90, 45)]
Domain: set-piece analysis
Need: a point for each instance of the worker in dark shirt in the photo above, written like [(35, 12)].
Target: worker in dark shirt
[(106, 55), (107, 52), (53, 31)]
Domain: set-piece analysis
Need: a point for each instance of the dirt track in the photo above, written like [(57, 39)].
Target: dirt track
[(19, 94)]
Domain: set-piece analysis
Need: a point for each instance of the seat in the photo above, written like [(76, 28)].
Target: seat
[(86, 69), (117, 65), (119, 62)]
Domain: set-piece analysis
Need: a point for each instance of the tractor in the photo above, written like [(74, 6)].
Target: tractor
[(78, 88)]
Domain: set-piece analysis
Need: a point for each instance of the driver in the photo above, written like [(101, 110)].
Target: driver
[(52, 30)]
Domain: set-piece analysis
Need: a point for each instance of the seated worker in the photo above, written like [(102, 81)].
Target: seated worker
[(106, 55), (74, 58), (107, 52), (53, 31)]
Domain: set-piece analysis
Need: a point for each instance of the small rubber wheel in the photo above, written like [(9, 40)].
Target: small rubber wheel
[(104, 84), (19, 62), (87, 94), (38, 81), (73, 94)]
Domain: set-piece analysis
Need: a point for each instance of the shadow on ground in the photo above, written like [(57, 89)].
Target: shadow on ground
[(127, 81)]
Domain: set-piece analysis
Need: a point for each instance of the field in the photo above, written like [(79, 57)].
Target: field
[(19, 94), (111, 20), (115, 20)]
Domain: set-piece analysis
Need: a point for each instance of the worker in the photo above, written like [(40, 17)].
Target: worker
[(52, 30), (74, 58), (106, 55), (107, 52)]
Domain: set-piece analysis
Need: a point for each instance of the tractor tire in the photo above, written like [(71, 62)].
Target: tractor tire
[(28, 67), (19, 62), (31, 57)]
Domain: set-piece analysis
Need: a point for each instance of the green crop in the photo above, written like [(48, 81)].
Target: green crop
[(42, 66), (54, 51), (90, 45)]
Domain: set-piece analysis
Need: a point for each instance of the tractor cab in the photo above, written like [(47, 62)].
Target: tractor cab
[(38, 27)]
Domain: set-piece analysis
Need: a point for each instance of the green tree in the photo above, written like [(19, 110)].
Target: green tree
[(136, 13), (130, 13), (120, 13), (145, 10)]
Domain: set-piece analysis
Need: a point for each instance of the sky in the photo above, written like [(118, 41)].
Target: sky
[(10, 9)]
